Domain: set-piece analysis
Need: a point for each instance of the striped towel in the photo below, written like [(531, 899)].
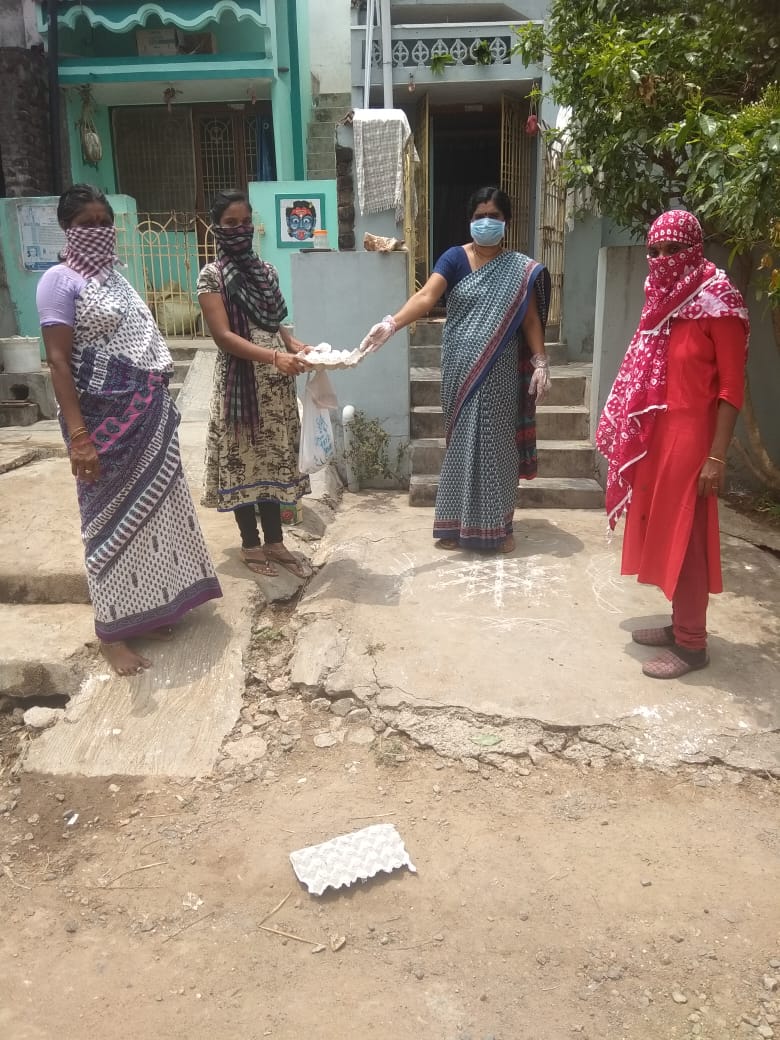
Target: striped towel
[(380, 137)]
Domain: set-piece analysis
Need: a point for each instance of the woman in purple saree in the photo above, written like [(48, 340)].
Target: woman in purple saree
[(494, 372)]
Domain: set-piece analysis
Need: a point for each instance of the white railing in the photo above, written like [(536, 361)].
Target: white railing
[(486, 46)]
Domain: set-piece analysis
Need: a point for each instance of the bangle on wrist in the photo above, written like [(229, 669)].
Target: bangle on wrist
[(540, 360), (273, 359), (77, 431), (714, 458), (79, 435)]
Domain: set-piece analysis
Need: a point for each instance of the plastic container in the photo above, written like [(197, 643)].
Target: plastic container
[(20, 354), (320, 240)]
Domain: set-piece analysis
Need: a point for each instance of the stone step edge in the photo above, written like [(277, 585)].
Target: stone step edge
[(544, 444)]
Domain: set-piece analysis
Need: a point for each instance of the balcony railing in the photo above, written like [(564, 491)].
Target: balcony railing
[(414, 48)]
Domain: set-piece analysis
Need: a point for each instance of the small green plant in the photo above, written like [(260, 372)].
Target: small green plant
[(483, 54), (439, 63), (268, 634), (368, 452)]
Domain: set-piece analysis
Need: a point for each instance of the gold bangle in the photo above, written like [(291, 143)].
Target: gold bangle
[(78, 430), (273, 360), (79, 435), (713, 458)]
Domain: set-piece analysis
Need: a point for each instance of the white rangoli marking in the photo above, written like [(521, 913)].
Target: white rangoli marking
[(532, 578)]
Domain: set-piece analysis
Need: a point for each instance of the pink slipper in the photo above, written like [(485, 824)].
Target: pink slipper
[(675, 663), (654, 636)]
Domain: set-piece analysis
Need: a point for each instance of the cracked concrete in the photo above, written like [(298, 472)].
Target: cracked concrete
[(475, 655)]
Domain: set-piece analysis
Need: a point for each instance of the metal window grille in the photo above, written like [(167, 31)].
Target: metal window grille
[(154, 157)]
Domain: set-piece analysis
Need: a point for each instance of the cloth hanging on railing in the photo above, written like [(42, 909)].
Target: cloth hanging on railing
[(381, 134)]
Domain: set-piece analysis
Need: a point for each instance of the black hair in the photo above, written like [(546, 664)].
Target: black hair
[(73, 201), (491, 194), (226, 198)]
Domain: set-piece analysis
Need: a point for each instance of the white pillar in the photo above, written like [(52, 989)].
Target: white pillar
[(387, 53)]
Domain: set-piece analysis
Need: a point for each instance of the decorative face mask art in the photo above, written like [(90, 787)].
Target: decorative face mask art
[(301, 220)]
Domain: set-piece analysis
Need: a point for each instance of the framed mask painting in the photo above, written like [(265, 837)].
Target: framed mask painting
[(297, 218)]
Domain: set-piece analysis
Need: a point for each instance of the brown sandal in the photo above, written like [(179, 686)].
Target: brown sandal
[(256, 561), (675, 663), (449, 544), (281, 554), (654, 636), (508, 545)]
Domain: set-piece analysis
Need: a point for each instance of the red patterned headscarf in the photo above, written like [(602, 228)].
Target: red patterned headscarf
[(683, 285)]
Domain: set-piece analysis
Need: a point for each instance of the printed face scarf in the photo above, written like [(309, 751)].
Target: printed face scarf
[(91, 251), (674, 287), (250, 292)]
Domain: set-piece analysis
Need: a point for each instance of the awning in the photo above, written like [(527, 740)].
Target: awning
[(121, 17)]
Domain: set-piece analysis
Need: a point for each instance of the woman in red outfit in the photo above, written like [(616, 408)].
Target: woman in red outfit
[(666, 429)]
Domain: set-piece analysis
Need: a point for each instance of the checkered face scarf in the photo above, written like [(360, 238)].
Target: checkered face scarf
[(91, 251), (250, 292)]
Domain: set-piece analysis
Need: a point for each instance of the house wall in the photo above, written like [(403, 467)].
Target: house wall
[(329, 44), (24, 121), (101, 174), (263, 198), (337, 298), (581, 248)]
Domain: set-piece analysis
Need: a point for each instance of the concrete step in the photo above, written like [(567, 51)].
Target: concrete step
[(427, 333), (542, 493), (553, 422), (565, 422), (425, 356), (560, 493), (184, 348), (180, 370), (42, 648), (556, 458), (174, 388), (569, 384)]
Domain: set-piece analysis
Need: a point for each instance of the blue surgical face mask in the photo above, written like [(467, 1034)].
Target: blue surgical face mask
[(487, 231)]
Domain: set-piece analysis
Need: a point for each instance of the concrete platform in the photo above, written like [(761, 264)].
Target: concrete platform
[(541, 636)]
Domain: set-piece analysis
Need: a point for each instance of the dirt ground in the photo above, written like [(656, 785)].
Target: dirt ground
[(549, 901)]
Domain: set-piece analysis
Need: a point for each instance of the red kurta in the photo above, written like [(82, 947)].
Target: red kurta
[(706, 364)]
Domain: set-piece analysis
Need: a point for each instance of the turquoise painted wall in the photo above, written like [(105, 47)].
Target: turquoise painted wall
[(102, 175), (22, 283), (263, 195)]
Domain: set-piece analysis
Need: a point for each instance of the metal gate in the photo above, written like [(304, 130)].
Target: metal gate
[(553, 228), (164, 258), (516, 168)]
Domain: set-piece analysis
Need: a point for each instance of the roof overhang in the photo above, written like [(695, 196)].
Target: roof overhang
[(192, 16)]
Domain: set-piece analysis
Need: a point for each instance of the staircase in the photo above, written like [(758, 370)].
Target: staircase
[(329, 110), (182, 352), (567, 463)]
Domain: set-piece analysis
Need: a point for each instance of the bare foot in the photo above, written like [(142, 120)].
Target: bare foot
[(508, 544), (123, 660)]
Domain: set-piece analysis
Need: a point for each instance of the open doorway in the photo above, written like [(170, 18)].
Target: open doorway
[(465, 155)]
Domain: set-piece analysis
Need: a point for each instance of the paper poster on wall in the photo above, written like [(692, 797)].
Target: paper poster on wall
[(298, 217), (41, 236)]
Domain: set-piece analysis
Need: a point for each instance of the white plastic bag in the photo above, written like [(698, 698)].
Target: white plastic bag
[(317, 447)]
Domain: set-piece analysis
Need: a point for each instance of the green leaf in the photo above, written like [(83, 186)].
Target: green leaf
[(707, 124)]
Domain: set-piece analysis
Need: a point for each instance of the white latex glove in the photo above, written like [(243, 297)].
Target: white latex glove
[(540, 380), (379, 335)]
